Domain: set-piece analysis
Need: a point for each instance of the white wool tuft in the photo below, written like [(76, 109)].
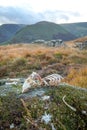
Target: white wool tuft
[(46, 118)]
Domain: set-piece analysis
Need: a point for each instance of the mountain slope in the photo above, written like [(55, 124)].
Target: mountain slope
[(81, 39), (42, 30), (77, 29), (8, 30)]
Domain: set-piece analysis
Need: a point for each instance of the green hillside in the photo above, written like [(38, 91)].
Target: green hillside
[(77, 29), (42, 30), (17, 33), (8, 30)]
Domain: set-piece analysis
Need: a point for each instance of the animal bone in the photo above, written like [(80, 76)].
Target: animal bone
[(35, 80), (72, 108), (53, 79)]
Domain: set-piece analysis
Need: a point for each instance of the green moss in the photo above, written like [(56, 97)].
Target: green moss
[(11, 111), (63, 118), (58, 55)]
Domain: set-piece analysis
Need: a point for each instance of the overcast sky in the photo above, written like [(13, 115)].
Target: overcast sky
[(32, 11)]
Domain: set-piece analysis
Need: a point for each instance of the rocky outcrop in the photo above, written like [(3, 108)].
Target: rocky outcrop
[(81, 45), (52, 43)]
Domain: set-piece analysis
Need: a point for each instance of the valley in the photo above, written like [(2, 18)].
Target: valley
[(43, 107)]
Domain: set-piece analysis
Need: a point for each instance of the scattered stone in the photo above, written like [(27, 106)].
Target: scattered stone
[(12, 126), (11, 83), (45, 98)]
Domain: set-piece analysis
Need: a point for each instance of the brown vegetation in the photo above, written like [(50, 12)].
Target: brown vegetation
[(21, 59)]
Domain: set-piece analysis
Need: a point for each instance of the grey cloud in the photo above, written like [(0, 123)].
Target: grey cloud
[(17, 15), (58, 15), (24, 16), (76, 14)]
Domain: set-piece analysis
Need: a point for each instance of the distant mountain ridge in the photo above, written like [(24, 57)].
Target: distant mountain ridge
[(42, 30), (77, 29), (9, 30), (19, 33)]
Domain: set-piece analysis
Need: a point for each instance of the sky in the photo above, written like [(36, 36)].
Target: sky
[(33, 11)]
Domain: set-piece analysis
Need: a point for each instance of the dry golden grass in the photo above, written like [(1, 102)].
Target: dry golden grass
[(77, 77), (22, 59), (82, 39), (34, 52), (13, 51)]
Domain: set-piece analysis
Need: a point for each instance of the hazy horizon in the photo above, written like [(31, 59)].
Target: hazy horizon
[(43, 21)]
